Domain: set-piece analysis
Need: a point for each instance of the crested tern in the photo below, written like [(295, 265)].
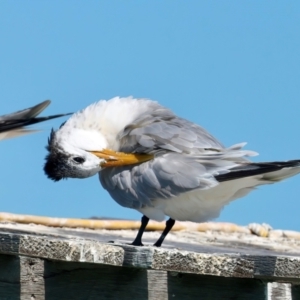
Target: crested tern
[(151, 160), (12, 125)]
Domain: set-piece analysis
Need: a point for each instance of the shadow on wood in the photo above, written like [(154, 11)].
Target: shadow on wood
[(10, 287), (88, 281)]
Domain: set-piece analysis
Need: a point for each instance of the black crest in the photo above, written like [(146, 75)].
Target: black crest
[(56, 165)]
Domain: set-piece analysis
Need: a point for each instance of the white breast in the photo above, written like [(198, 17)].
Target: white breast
[(201, 205)]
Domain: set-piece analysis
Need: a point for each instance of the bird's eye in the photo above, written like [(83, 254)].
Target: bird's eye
[(78, 159)]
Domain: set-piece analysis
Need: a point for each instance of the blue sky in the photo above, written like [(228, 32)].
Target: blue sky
[(231, 66)]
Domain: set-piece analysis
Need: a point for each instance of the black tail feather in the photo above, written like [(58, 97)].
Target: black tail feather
[(253, 169)]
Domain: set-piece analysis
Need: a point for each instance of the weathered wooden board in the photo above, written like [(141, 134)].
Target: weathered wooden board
[(193, 241), (276, 291), (65, 248), (76, 281), (105, 282), (38, 263), (32, 278)]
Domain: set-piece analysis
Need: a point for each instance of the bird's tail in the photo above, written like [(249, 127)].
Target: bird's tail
[(269, 171)]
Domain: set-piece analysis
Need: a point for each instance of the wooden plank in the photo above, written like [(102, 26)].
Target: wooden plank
[(89, 281), (79, 281), (267, 267), (279, 291), (202, 263), (28, 278), (78, 264), (32, 278), (71, 250), (209, 242), (157, 285)]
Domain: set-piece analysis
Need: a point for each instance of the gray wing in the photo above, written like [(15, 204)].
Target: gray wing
[(163, 177), (162, 130), (187, 157)]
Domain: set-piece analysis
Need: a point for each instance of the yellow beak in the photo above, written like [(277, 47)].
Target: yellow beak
[(117, 159)]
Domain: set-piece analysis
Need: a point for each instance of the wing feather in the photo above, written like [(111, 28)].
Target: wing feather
[(160, 129), (187, 157)]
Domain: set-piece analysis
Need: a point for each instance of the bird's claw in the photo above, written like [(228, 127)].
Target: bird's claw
[(136, 244)]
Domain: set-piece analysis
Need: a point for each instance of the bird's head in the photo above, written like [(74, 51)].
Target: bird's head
[(67, 159), (79, 153)]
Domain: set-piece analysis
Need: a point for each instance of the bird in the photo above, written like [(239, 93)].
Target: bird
[(13, 124), (149, 159)]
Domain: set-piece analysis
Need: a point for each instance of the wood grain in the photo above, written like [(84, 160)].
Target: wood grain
[(32, 278), (277, 290)]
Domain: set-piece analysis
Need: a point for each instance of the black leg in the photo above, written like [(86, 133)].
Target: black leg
[(138, 240), (169, 224)]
